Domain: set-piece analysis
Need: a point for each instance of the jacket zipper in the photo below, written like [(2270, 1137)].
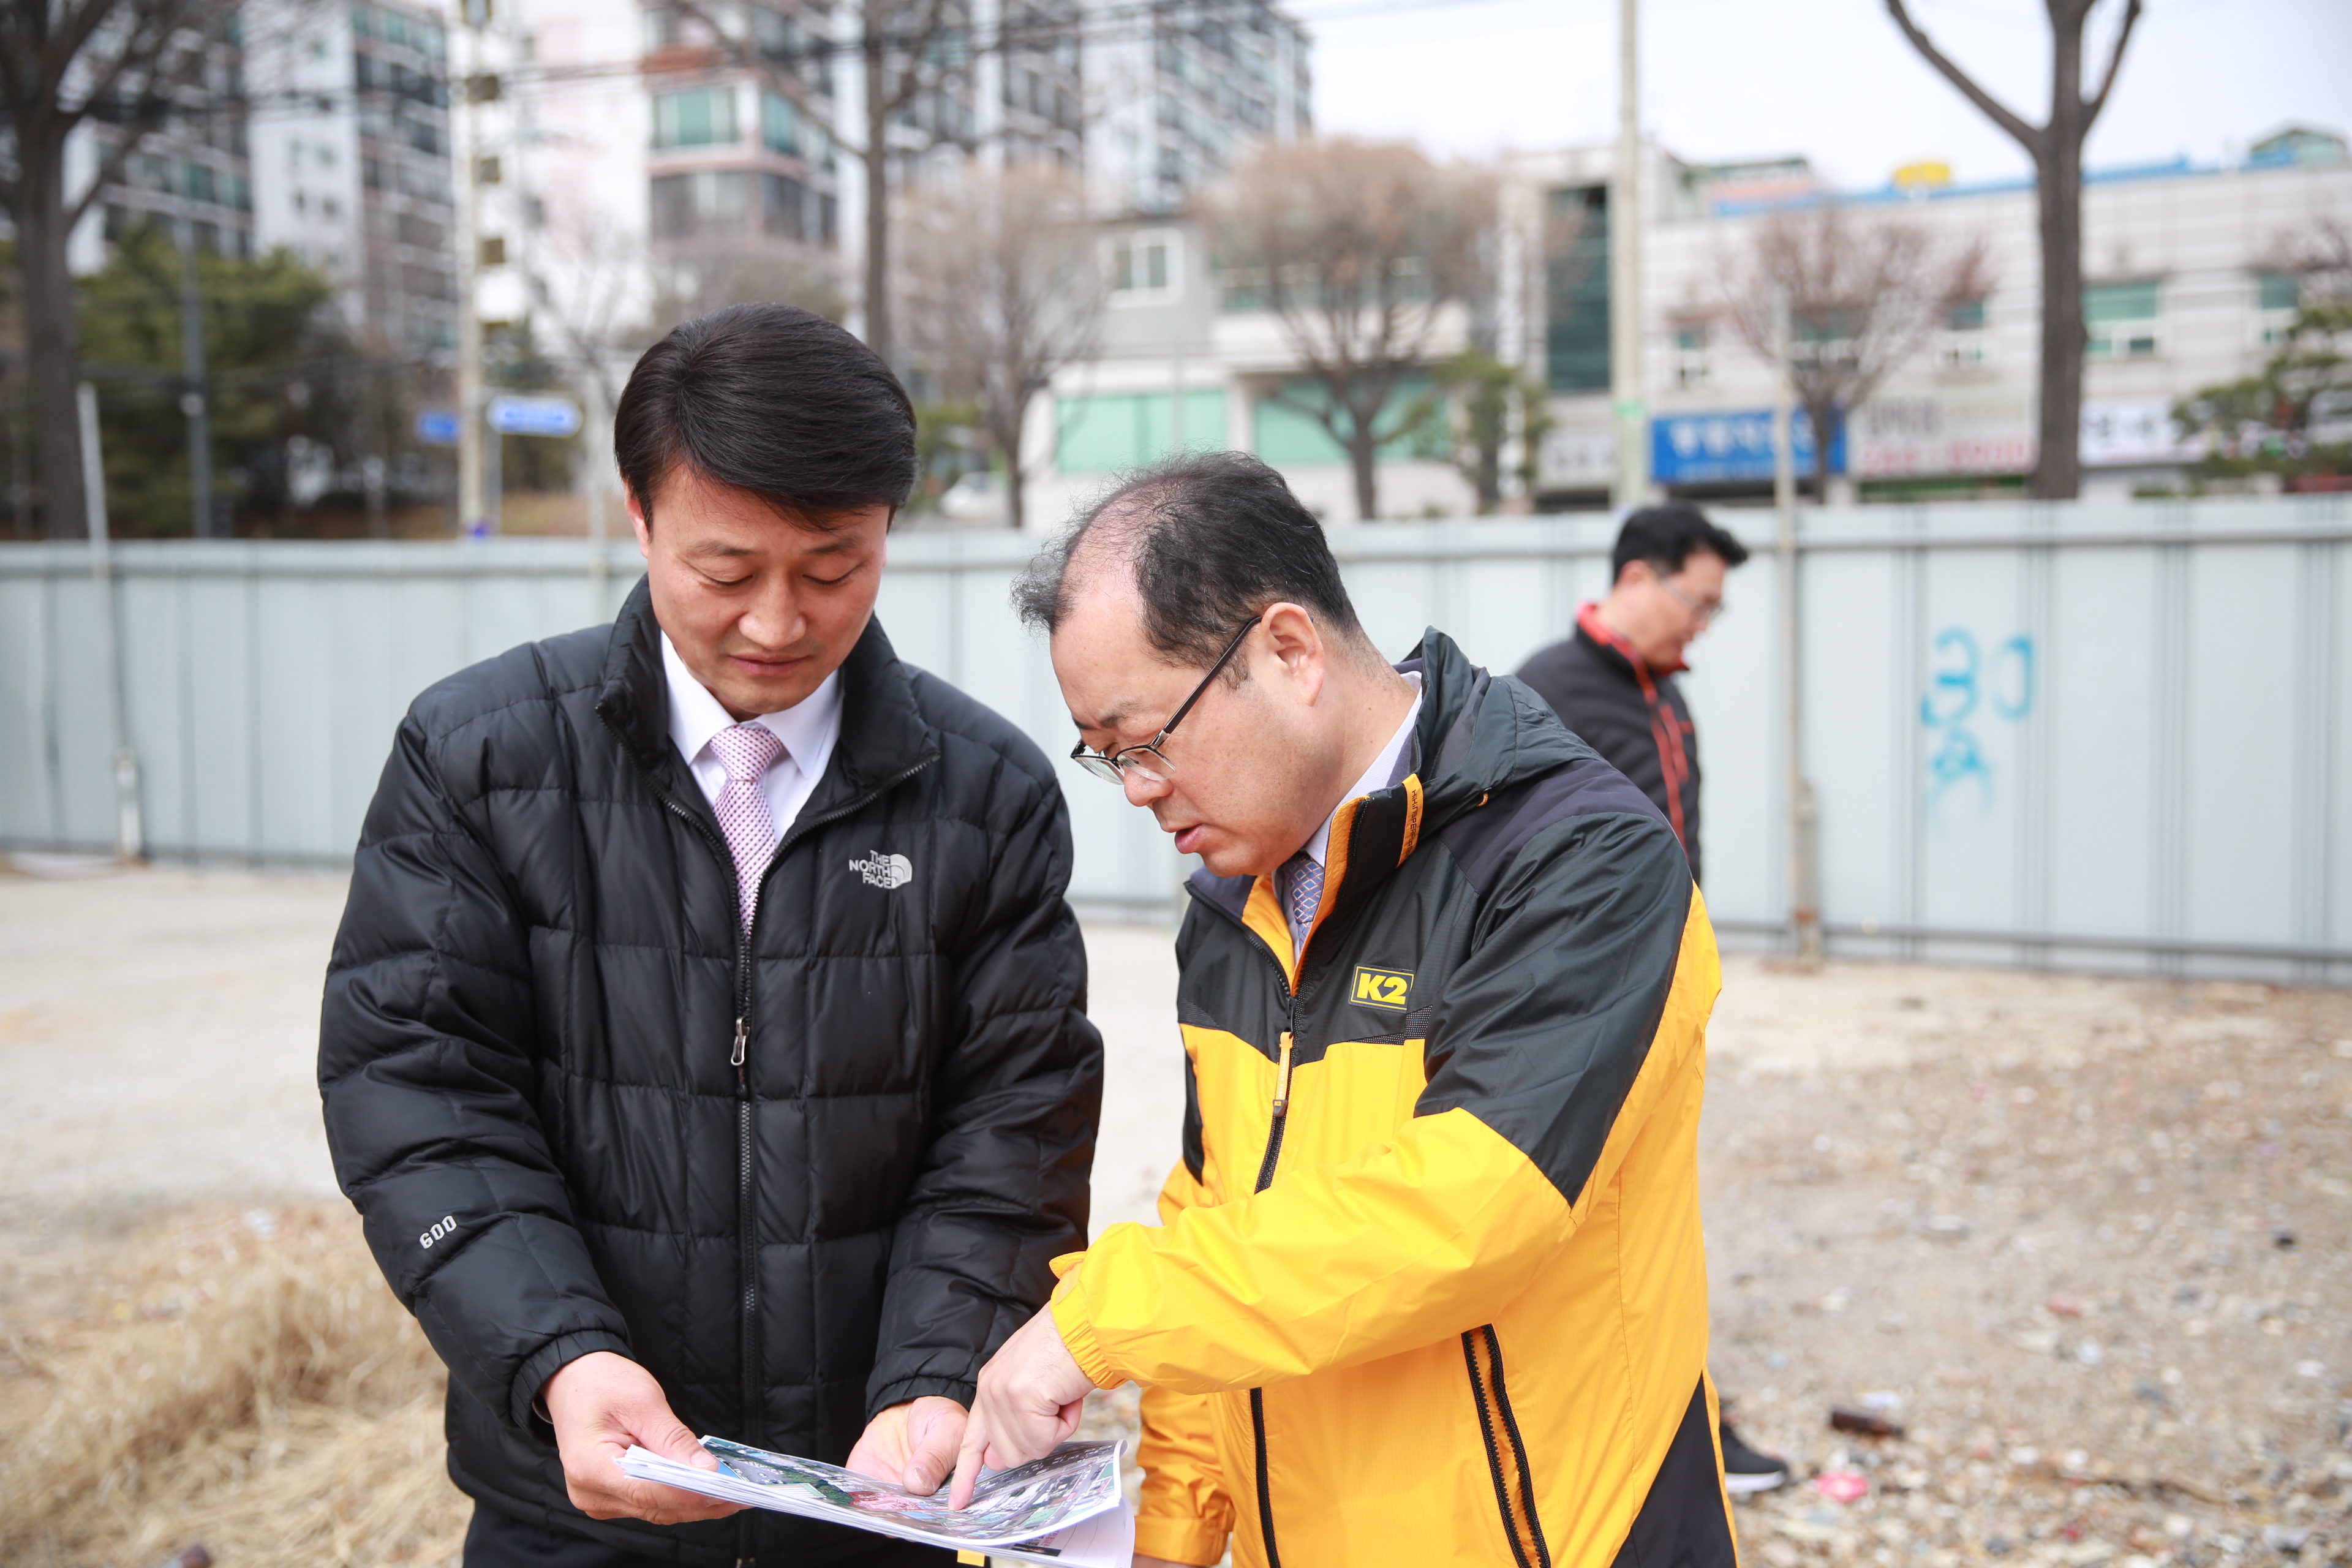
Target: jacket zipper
[(1266, 1164), (747, 1261), (1507, 1454), (738, 1058)]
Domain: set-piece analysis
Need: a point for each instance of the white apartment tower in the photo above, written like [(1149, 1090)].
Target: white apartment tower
[(1185, 89)]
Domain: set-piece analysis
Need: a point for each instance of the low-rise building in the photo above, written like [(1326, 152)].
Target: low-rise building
[(2190, 275)]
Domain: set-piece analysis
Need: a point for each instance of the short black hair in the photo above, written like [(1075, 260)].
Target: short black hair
[(1665, 535), (774, 400), (1212, 539)]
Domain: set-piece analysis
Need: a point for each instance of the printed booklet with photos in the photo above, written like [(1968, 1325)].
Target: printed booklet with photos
[(1067, 1508)]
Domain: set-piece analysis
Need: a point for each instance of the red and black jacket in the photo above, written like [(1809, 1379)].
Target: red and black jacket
[(1632, 714)]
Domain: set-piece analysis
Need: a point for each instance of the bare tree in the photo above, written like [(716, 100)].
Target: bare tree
[(1357, 248), (1003, 288), (1863, 299), (2056, 148), (62, 62)]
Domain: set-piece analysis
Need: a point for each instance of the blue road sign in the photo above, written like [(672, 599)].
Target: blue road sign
[(1715, 448), (535, 414), (439, 426)]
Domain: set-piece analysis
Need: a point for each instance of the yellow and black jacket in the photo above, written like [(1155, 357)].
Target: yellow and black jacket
[(1429, 1286)]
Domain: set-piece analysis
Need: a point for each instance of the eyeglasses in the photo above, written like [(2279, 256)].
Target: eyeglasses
[(1701, 609), (1147, 758)]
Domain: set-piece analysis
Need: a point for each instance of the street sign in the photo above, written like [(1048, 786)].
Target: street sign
[(439, 426), (537, 414), (1716, 448)]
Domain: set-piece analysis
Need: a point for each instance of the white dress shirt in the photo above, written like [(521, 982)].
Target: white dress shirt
[(808, 730), (1379, 776)]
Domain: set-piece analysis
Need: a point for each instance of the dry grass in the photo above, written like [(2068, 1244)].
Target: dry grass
[(244, 1381)]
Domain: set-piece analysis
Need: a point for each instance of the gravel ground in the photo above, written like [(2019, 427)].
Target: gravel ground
[(2086, 1240)]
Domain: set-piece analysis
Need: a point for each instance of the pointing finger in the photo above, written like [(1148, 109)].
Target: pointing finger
[(967, 1470)]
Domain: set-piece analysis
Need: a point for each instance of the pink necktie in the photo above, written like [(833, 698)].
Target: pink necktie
[(747, 750)]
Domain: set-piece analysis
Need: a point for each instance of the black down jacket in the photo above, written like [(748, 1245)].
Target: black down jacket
[(529, 1058)]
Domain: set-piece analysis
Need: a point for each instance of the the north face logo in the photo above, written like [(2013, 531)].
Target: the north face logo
[(882, 871)]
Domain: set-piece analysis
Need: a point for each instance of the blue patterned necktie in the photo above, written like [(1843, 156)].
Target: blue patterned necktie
[(1302, 881)]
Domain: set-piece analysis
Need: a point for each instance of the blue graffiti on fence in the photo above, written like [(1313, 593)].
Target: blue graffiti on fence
[(1963, 681)]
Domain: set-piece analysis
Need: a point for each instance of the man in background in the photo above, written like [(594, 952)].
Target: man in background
[(1613, 683)]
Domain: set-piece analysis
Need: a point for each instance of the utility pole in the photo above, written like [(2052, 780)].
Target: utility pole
[(194, 402), (130, 830), (1632, 487), (1804, 858), (466, 51)]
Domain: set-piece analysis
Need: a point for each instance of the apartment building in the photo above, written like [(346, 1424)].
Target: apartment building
[(193, 174), (352, 162), (1185, 89)]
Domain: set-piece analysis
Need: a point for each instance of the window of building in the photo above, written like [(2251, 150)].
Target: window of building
[(1285, 434), (494, 250), (784, 206), (2277, 297), (1691, 368), (709, 201), (1146, 267), (704, 117), (1576, 290), (1965, 345), (780, 124), (2125, 321), (1109, 431)]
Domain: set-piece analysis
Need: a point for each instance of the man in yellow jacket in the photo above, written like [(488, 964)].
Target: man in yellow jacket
[(1429, 1285)]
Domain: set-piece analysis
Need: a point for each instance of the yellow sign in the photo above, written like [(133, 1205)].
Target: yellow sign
[(1388, 989), (1927, 174)]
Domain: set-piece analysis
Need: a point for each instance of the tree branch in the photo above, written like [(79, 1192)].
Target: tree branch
[(2029, 136), (2098, 100)]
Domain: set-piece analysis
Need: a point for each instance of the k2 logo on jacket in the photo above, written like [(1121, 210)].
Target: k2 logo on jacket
[(882, 871), (1391, 990)]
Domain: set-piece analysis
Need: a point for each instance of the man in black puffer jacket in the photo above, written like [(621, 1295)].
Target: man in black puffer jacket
[(704, 1044)]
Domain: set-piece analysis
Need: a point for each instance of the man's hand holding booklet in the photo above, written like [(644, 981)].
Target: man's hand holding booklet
[(1067, 1508)]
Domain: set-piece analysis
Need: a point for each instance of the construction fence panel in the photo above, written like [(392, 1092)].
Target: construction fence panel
[(2109, 735)]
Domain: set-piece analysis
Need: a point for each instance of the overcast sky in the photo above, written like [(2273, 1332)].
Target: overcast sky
[(1729, 80)]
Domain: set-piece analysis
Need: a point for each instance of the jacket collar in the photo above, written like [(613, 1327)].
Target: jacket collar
[(883, 735), (1476, 734), (1617, 652)]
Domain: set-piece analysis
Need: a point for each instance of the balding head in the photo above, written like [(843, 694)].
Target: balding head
[(1202, 557), (1200, 543)]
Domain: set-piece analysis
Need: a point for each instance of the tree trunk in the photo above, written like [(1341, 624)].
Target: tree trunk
[(52, 335), (1363, 456), (1822, 417), (2058, 186), (1490, 474), (876, 160)]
